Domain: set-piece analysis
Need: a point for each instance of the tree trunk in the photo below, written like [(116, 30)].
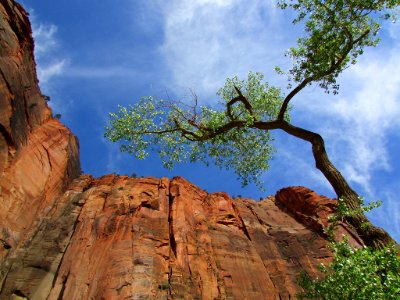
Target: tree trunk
[(371, 235)]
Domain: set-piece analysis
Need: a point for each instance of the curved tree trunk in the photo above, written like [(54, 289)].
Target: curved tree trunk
[(371, 235)]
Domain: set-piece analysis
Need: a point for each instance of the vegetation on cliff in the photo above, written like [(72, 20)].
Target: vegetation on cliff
[(237, 133), (354, 273), (361, 273)]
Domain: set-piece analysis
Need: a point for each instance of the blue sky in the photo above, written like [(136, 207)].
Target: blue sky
[(93, 55)]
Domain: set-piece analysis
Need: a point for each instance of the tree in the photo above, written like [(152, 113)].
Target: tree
[(354, 272), (236, 134), (360, 273)]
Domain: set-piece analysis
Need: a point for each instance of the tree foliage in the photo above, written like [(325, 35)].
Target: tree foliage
[(180, 132), (236, 134), (355, 272), (337, 31)]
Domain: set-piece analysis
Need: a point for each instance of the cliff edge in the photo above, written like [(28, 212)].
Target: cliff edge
[(69, 236), (38, 155), (147, 238)]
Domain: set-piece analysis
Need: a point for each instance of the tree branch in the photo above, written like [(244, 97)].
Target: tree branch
[(371, 235), (186, 133), (224, 128), (333, 68), (290, 96), (242, 99)]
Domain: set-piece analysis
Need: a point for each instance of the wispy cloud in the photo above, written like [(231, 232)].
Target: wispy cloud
[(47, 71), (100, 72), (49, 62), (44, 36), (208, 40), (359, 126), (359, 122)]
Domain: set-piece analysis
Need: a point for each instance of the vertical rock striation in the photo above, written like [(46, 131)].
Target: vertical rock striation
[(65, 236), (148, 238), (38, 155)]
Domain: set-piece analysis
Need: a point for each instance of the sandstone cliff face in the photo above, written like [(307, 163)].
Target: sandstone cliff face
[(38, 155), (65, 236), (147, 238)]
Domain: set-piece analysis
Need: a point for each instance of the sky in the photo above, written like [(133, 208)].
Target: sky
[(93, 55)]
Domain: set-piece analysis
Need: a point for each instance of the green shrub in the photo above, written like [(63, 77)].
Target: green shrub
[(362, 273), (354, 273)]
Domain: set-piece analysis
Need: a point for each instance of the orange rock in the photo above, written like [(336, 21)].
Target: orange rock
[(307, 206), (147, 238), (38, 155), (139, 238), (313, 210)]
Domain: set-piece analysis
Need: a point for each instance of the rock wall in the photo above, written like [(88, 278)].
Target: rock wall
[(147, 238), (38, 155), (65, 236)]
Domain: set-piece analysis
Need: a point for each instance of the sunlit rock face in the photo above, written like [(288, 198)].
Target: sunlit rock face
[(147, 238), (69, 236), (38, 155)]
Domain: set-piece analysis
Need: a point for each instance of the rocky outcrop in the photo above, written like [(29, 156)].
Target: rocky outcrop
[(313, 210), (307, 206), (38, 155), (65, 236), (147, 238)]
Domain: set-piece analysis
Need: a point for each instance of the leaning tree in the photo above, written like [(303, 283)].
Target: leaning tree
[(236, 134)]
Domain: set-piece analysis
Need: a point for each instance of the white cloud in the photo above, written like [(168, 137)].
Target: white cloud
[(44, 36), (358, 120), (48, 71), (49, 62), (208, 40), (101, 72)]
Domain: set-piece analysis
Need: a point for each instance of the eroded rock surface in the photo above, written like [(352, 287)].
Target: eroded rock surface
[(147, 238), (65, 236), (38, 155)]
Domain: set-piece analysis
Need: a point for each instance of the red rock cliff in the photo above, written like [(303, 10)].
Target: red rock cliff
[(38, 155), (137, 238), (147, 238)]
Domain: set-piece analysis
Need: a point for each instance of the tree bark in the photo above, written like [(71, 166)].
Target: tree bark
[(371, 235)]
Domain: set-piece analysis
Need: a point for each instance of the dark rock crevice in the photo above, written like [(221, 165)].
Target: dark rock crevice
[(153, 240), (242, 224), (76, 203), (20, 294), (6, 245), (7, 136), (172, 241), (21, 27), (64, 283)]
